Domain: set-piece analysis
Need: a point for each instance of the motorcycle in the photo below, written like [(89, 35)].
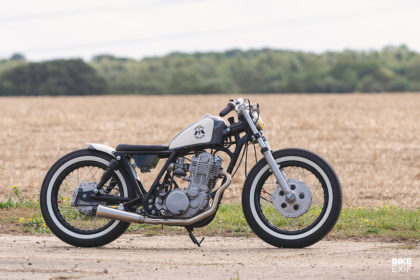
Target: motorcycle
[(291, 197)]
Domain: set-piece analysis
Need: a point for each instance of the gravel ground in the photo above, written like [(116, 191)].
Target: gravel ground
[(176, 257)]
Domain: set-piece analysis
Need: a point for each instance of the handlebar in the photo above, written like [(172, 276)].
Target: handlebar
[(227, 109), (248, 115)]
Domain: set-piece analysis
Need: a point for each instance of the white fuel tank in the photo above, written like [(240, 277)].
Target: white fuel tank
[(208, 130)]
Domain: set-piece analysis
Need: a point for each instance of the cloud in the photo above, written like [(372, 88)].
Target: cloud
[(50, 29)]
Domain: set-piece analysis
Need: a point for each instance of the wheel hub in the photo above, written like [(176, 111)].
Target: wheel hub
[(297, 207), (81, 199)]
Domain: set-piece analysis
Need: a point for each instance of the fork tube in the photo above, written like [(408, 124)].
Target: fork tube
[(266, 151)]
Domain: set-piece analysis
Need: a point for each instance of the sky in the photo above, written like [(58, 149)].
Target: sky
[(44, 29)]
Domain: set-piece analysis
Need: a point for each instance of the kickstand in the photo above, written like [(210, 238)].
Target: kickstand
[(192, 236)]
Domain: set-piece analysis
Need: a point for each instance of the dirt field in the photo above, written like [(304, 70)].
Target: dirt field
[(175, 257), (372, 141)]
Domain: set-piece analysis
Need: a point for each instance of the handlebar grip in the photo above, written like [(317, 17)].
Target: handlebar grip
[(227, 110)]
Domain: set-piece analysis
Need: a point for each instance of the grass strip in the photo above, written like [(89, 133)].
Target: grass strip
[(388, 223), (20, 215), (382, 223)]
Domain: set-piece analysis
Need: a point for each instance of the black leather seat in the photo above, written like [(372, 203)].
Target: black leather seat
[(137, 148)]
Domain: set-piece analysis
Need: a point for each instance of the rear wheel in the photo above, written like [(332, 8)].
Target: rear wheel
[(299, 223), (72, 219)]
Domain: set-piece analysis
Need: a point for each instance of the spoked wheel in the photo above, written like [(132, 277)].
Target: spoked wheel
[(297, 223), (65, 204)]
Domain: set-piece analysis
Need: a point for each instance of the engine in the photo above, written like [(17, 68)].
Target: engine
[(185, 203)]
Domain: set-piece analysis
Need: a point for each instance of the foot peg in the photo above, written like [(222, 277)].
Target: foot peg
[(192, 236)]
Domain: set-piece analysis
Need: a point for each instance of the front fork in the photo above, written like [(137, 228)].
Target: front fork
[(266, 151)]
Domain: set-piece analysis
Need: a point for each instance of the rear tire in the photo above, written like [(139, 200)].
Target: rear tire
[(64, 220), (274, 227)]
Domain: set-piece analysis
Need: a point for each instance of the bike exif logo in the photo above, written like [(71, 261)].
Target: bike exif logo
[(401, 264), (199, 132)]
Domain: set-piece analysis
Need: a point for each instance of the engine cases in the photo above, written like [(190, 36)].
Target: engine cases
[(204, 169)]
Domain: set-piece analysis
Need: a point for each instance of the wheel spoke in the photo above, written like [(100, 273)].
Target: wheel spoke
[(267, 200), (265, 192), (72, 215), (275, 218)]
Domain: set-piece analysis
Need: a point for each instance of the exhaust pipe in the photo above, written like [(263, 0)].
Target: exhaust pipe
[(117, 214)]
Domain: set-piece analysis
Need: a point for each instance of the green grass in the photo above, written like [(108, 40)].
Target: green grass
[(17, 200), (229, 221), (34, 224), (390, 222), (386, 223), (27, 214)]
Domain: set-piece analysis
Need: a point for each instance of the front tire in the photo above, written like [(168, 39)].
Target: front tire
[(69, 223), (277, 225)]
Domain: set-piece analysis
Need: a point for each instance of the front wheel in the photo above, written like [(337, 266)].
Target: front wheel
[(309, 217), (73, 219)]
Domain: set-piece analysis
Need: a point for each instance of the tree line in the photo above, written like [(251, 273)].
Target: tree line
[(392, 69)]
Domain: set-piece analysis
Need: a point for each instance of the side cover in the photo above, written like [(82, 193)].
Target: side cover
[(208, 130)]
